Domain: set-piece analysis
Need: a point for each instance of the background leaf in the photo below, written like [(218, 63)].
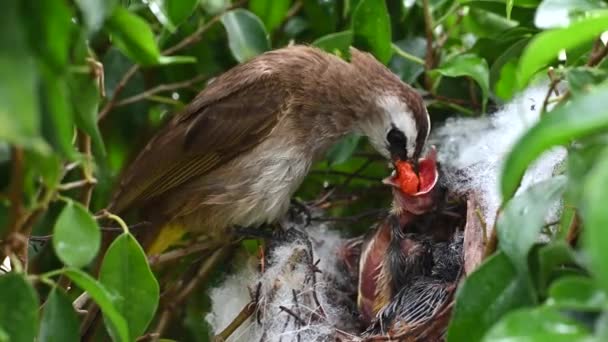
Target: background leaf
[(271, 12), (471, 66), (19, 309), (577, 293), (523, 217), (19, 110), (126, 275), (372, 29), (95, 12), (59, 322), (85, 100), (335, 42), (596, 219), (117, 326), (76, 236), (132, 35), (343, 150), (247, 37), (540, 324), (484, 297), (544, 48)]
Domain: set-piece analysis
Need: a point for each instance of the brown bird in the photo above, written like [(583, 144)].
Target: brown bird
[(236, 154)]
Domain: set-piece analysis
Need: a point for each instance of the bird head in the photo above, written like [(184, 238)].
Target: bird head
[(398, 123)]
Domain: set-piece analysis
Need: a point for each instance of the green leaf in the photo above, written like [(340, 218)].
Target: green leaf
[(485, 296), (555, 256), (471, 66), (576, 293), (19, 309), (19, 110), (503, 73), (85, 101), (595, 217), (343, 150), (127, 276), (247, 37), (582, 79), (59, 321), (76, 235), (171, 13), (523, 218), (372, 29), (49, 26), (57, 118), (132, 35), (560, 13), (271, 12), (95, 12), (407, 69), (336, 43), (179, 10), (545, 47), (322, 15), (117, 326), (584, 116), (538, 324)]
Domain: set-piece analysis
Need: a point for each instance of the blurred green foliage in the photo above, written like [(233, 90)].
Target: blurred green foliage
[(83, 83)]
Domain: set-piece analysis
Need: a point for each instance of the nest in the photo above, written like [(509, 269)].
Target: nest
[(307, 288)]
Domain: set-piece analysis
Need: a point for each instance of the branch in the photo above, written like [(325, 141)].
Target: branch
[(13, 243), (160, 88), (245, 313), (429, 60), (191, 39), (155, 260)]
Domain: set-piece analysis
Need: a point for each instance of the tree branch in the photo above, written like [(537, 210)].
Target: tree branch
[(160, 88)]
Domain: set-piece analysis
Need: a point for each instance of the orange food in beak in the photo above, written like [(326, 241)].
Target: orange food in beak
[(412, 184), (407, 179)]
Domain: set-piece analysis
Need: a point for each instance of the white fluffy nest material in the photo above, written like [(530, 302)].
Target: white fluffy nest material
[(299, 294)]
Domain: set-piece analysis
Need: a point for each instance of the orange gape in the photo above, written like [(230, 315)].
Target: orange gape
[(406, 178)]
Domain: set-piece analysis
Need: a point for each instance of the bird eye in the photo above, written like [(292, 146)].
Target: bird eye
[(397, 143), (396, 138)]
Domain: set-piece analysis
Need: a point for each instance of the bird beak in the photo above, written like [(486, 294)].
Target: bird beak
[(426, 171), (419, 200)]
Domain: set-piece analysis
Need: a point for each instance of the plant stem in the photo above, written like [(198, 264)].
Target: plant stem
[(407, 55)]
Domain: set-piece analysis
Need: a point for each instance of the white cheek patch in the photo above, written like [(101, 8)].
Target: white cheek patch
[(401, 116)]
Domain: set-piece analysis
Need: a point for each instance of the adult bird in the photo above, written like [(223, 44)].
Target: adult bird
[(235, 155)]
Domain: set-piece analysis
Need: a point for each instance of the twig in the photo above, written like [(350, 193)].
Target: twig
[(573, 230), (598, 53), (160, 88), (189, 40), (245, 313), (119, 88), (179, 253), (552, 89), (13, 243), (429, 59), (407, 55), (293, 314), (202, 274), (196, 35), (76, 184)]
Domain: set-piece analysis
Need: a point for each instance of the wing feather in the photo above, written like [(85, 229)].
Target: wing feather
[(214, 128)]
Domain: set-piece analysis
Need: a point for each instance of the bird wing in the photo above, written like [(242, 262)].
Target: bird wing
[(231, 116)]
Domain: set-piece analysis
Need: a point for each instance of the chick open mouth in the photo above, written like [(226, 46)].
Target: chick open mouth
[(412, 183)]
